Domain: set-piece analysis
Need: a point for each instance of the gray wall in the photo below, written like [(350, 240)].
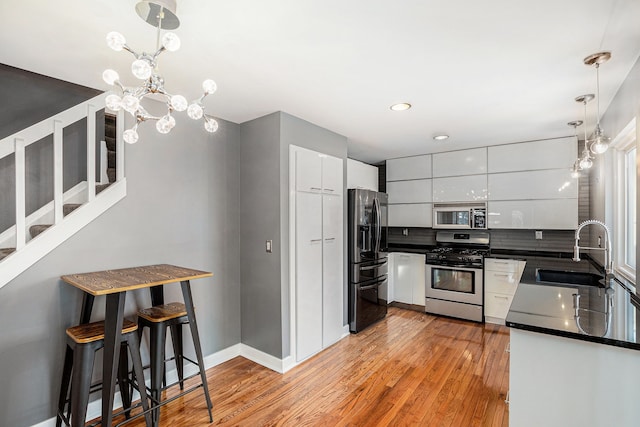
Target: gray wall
[(623, 108), (182, 207), (28, 98), (264, 166), (260, 212)]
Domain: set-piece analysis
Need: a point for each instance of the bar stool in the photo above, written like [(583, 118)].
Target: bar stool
[(158, 318), (82, 343)]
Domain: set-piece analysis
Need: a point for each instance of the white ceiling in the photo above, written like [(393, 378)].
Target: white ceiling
[(484, 72)]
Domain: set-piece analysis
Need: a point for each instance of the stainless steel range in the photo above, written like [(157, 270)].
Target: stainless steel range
[(454, 274)]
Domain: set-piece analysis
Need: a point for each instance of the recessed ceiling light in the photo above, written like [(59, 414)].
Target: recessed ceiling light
[(441, 137), (401, 107)]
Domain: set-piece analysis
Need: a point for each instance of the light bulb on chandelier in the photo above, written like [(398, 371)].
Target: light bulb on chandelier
[(160, 14)]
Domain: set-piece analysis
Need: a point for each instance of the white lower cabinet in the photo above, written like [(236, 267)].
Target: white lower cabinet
[(332, 271), (318, 256), (308, 274), (558, 382), (407, 277), (501, 278)]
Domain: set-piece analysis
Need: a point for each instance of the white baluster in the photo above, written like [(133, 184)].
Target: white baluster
[(119, 146), (21, 235), (58, 172), (91, 152)]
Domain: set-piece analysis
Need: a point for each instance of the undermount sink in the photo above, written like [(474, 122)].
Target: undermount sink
[(569, 277)]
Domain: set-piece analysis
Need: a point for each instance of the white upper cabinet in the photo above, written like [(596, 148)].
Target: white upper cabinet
[(410, 215), (549, 154), (331, 174), (558, 214), (317, 172), (463, 162), (416, 167), (361, 175), (472, 188), (415, 191), (545, 184), (308, 171)]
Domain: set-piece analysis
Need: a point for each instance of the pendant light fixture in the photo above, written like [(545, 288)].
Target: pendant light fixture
[(162, 15), (575, 170), (585, 161), (600, 142)]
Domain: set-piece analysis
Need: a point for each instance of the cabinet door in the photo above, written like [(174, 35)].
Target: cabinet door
[(416, 167), (415, 191), (532, 185), (402, 286), (308, 274), (561, 214), (418, 279), (462, 162), (414, 215), (361, 175), (332, 178), (549, 154), (308, 171), (497, 305), (472, 188), (332, 269)]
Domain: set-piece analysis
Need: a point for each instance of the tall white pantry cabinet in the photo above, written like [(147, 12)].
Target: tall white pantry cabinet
[(317, 204)]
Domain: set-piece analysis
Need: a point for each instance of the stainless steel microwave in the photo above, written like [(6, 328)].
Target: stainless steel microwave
[(460, 216)]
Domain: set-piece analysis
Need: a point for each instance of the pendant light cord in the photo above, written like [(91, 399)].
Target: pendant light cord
[(598, 92)]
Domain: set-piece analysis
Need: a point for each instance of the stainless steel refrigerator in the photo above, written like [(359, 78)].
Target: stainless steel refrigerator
[(367, 257)]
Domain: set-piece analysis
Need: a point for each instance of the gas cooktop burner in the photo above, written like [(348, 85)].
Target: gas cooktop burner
[(459, 251)]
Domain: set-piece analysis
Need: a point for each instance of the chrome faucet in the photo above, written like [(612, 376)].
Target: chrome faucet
[(608, 258)]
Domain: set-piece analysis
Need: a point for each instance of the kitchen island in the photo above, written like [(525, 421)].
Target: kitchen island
[(574, 349)]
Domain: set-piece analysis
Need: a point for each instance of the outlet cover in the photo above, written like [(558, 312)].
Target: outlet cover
[(538, 235)]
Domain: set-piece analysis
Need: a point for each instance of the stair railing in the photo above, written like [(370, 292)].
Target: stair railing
[(16, 144)]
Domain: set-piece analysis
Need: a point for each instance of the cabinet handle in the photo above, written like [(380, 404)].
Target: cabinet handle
[(316, 188), (328, 189), (500, 275), (330, 238), (498, 296), (316, 240)]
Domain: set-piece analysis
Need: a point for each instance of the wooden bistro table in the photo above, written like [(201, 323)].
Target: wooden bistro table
[(114, 284)]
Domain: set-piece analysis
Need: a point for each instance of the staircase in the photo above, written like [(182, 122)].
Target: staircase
[(35, 235)]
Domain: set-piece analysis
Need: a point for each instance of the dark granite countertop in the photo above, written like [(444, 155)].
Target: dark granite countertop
[(605, 315), (410, 248)]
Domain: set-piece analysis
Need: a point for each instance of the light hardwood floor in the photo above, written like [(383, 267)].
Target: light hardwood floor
[(411, 369)]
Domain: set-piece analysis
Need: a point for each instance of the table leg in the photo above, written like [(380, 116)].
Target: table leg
[(114, 314), (87, 306), (188, 302), (157, 295)]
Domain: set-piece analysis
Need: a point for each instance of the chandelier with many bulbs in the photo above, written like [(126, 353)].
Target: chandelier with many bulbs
[(161, 14)]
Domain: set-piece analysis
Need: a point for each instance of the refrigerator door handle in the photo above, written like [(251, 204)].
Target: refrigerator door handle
[(378, 228), (373, 267), (375, 285)]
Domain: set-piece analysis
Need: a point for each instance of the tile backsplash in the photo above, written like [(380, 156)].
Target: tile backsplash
[(552, 240)]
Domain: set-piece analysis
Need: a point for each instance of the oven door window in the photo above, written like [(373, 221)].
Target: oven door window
[(448, 279), (452, 218)]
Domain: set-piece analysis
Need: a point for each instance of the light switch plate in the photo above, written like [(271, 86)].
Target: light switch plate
[(538, 235), (269, 246)]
